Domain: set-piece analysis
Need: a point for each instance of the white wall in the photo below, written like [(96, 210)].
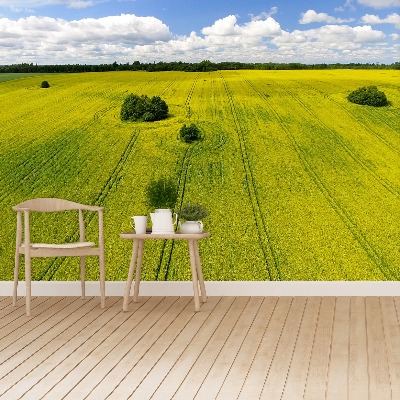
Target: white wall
[(215, 288)]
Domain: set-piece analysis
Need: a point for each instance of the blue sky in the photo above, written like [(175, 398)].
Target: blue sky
[(104, 31)]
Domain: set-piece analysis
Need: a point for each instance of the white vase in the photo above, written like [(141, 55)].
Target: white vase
[(191, 227)]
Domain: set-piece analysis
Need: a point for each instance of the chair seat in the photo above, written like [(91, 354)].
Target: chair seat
[(73, 245)]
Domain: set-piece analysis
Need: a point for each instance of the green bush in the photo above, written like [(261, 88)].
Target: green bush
[(45, 85), (162, 193), (368, 95), (190, 133), (192, 212), (143, 108)]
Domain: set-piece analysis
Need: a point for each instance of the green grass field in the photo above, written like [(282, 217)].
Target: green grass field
[(300, 183), (11, 76)]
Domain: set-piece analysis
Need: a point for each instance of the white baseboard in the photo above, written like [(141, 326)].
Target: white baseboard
[(214, 288)]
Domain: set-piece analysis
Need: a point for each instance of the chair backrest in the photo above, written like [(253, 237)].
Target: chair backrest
[(52, 205)]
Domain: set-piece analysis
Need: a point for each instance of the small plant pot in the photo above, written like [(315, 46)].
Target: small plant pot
[(191, 227)]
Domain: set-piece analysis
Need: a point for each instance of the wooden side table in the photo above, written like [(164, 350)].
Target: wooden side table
[(137, 258)]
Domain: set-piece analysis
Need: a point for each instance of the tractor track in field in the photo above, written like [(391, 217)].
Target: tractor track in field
[(183, 166), (270, 256), (100, 200), (342, 142), (37, 161), (190, 94), (56, 145), (191, 91), (373, 254), (169, 85), (115, 175)]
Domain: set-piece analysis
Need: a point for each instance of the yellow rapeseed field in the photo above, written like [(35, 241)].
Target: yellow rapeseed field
[(300, 183)]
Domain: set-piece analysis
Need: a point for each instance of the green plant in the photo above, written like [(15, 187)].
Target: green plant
[(192, 212), (368, 95), (143, 108), (45, 85), (189, 133), (162, 193)]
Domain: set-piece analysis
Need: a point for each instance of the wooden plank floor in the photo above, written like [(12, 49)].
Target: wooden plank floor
[(248, 348)]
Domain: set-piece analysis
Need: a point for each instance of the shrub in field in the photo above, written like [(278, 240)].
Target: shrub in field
[(189, 133), (143, 108), (158, 107), (162, 193), (45, 84), (368, 95)]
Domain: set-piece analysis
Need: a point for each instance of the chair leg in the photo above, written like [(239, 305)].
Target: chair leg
[(28, 285), (102, 281), (83, 277), (16, 268)]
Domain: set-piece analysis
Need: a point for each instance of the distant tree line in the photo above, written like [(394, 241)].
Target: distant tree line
[(203, 66)]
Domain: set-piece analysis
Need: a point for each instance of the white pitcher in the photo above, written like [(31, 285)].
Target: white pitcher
[(162, 221)]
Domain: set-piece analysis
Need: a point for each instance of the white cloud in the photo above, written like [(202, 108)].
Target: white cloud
[(267, 27), (126, 38), (80, 4), (125, 29), (228, 27), (222, 27), (380, 3), (312, 16), (264, 14), (334, 35), (347, 5), (308, 47), (375, 19), (24, 4), (365, 34), (338, 42)]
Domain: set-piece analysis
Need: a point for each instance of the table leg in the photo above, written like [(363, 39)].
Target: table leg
[(194, 275), (199, 271), (130, 275), (138, 271)]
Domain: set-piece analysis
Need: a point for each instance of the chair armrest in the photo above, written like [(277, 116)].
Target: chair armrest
[(19, 209), (92, 208)]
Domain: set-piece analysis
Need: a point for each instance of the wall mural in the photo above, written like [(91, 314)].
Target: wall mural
[(295, 182)]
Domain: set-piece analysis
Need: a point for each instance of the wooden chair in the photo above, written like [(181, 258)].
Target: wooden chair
[(31, 250)]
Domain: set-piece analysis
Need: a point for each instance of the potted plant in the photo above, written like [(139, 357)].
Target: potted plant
[(162, 195), (192, 214)]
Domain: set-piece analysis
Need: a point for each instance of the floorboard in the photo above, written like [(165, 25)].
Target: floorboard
[(311, 348)]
